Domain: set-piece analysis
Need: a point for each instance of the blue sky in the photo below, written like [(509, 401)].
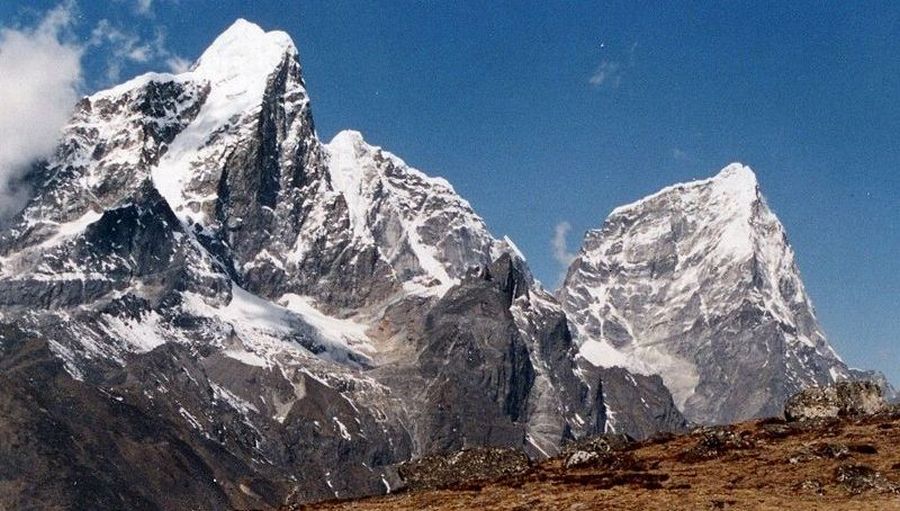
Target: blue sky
[(548, 112)]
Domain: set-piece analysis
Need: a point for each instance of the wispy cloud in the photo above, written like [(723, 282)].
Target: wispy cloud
[(560, 243), (561, 253), (123, 47), (128, 47), (40, 73), (680, 154), (611, 70), (144, 7), (631, 53), (608, 73), (177, 64)]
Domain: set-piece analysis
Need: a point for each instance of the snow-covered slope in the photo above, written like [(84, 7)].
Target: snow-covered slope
[(236, 68), (698, 283), (428, 234)]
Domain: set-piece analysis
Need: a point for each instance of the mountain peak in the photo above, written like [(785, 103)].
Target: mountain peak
[(347, 139), (738, 179), (686, 283), (244, 49), (736, 170)]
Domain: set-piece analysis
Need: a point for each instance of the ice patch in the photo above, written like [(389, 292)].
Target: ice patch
[(679, 376), (247, 357), (69, 229), (345, 332), (264, 327), (141, 335), (343, 429), (601, 354), (222, 394)]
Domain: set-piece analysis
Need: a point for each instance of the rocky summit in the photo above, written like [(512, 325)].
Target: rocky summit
[(204, 306)]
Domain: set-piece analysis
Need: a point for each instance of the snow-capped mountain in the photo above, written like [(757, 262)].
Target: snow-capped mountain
[(699, 284), (256, 200), (278, 319)]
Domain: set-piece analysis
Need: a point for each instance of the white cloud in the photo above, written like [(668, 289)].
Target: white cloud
[(611, 71), (608, 73), (561, 253), (144, 6), (39, 78), (177, 64), (40, 82), (123, 47), (127, 47), (140, 7), (560, 244), (680, 154)]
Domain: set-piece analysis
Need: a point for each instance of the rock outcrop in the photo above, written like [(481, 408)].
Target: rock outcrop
[(843, 399), (469, 466)]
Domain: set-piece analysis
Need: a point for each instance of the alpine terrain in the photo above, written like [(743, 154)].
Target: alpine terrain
[(205, 306)]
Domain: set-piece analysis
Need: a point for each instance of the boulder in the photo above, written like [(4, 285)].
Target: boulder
[(599, 451), (843, 399), (857, 478), (600, 444), (714, 441)]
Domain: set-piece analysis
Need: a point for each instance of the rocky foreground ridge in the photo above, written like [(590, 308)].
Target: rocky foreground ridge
[(848, 459), (206, 306)]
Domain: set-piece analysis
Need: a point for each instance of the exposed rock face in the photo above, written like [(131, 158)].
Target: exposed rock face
[(698, 283), (496, 350), (212, 422), (635, 404), (280, 319), (839, 400), (60, 438)]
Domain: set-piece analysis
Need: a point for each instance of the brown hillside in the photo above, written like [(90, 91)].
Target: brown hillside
[(849, 464)]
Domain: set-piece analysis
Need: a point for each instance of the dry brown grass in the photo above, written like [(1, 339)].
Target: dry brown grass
[(780, 468)]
